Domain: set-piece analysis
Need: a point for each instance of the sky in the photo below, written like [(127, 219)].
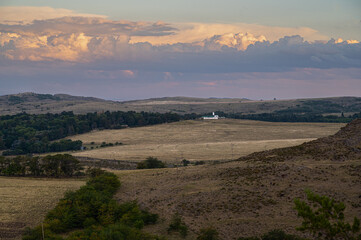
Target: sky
[(125, 50)]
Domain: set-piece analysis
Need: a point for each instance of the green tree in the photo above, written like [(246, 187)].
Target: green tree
[(51, 166), (34, 166), (69, 165), (324, 218)]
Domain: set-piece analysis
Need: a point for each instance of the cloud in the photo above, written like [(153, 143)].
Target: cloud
[(238, 41), (60, 50), (15, 15), (90, 26), (195, 32), (100, 44)]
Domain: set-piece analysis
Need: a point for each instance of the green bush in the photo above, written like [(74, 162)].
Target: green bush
[(106, 183), (185, 162), (177, 225), (324, 218), (199, 163), (150, 162)]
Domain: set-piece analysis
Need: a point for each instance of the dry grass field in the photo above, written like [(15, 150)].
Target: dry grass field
[(24, 202), (201, 140), (240, 198)]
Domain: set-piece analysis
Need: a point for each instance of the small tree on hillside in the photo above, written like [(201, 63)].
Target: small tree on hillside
[(324, 218), (150, 162)]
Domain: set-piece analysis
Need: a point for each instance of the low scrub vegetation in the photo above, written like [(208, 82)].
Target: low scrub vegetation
[(92, 213)]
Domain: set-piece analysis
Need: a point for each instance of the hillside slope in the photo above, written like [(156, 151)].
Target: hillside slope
[(251, 196), (342, 146)]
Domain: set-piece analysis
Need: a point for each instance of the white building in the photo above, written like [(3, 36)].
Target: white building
[(211, 117)]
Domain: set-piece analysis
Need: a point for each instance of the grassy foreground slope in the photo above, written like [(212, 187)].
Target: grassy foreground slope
[(222, 139), (254, 194)]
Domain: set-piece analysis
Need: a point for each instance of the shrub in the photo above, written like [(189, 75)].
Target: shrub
[(324, 218), (150, 162), (106, 183), (199, 163), (185, 162), (177, 225)]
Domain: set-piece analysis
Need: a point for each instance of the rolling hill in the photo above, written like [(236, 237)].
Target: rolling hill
[(43, 103)]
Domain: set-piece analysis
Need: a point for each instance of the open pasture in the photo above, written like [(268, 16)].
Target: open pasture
[(201, 140), (25, 201)]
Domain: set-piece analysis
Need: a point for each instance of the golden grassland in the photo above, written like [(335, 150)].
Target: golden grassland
[(25, 201), (205, 140)]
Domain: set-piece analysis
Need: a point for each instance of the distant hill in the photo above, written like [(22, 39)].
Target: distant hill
[(44, 103)]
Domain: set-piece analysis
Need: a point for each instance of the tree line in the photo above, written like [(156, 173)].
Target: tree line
[(60, 165), (34, 133), (289, 116)]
